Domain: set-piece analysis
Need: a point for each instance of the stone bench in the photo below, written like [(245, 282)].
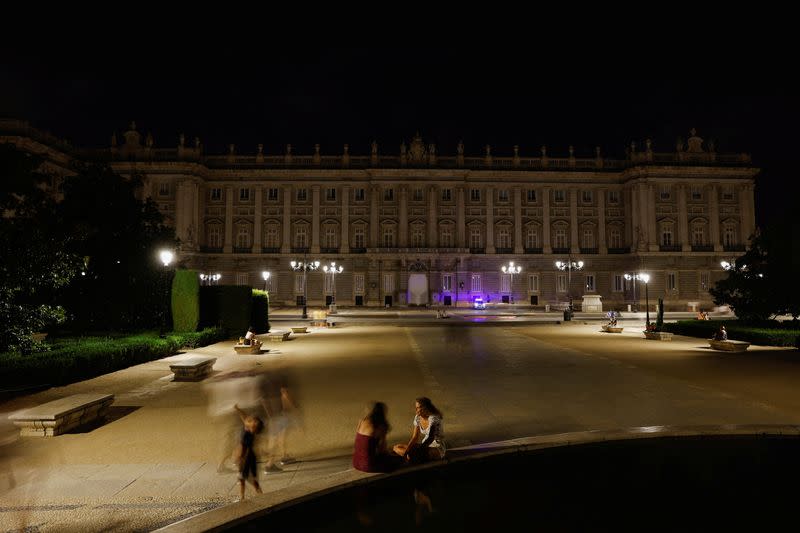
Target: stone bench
[(612, 329), (253, 347), (300, 329), (729, 346), (658, 335), (279, 336), (192, 369), (59, 416)]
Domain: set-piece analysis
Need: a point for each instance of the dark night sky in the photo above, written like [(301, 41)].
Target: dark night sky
[(354, 96)]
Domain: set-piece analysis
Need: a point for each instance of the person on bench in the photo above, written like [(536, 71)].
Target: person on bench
[(249, 336), (721, 334)]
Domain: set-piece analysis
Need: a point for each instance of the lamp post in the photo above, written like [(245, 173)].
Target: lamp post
[(210, 279), (569, 265), (633, 277), (304, 267), (166, 257), (265, 275), (332, 269), (511, 270), (644, 278)]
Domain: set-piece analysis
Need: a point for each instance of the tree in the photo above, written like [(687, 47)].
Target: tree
[(120, 236), (762, 283), (36, 260)]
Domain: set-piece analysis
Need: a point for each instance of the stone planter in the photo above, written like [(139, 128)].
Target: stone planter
[(658, 335)]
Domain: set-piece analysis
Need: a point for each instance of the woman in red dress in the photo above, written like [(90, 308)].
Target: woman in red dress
[(370, 453)]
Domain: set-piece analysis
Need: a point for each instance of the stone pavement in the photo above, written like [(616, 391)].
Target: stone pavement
[(154, 460)]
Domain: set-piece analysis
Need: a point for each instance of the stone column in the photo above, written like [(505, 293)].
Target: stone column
[(652, 234), (518, 221), (228, 247), (632, 218), (196, 215), (286, 245), (374, 191), (489, 220), (574, 243), (461, 232), (432, 217), (315, 219), (344, 247), (683, 220), (601, 221), (546, 248), (257, 223), (713, 207), (745, 213), (403, 230), (182, 217)]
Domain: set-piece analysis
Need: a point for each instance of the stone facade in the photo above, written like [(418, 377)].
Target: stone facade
[(441, 227)]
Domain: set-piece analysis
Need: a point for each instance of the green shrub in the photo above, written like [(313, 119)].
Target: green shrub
[(185, 301), (260, 313), (740, 331), (226, 306)]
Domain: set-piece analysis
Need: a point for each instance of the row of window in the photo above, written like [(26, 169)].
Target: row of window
[(619, 283), (301, 195), (559, 195)]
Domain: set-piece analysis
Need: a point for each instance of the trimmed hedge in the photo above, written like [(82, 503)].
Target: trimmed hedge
[(260, 313), (75, 359), (740, 331), (226, 306), (185, 300)]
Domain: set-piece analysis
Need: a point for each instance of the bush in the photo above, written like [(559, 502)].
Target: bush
[(185, 301), (74, 359), (260, 313), (767, 333), (226, 306)]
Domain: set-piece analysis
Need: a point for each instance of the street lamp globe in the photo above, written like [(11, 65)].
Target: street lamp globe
[(166, 257), (511, 269)]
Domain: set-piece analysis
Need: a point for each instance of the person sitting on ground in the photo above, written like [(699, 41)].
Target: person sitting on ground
[(427, 438), (721, 334), (369, 452)]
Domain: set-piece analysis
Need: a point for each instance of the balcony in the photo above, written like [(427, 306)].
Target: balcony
[(477, 250), (590, 251), (561, 251), (533, 250), (621, 250), (299, 249), (504, 250), (242, 249), (670, 248), (270, 250), (211, 249), (733, 247), (702, 247), (358, 250), (329, 250)]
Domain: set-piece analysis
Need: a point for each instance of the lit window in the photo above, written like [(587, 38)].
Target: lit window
[(590, 283), (533, 282)]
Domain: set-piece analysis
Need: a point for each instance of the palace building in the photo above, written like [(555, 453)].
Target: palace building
[(419, 227)]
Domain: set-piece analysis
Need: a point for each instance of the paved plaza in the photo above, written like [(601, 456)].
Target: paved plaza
[(154, 461)]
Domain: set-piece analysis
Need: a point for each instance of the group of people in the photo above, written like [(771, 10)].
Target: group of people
[(371, 453)]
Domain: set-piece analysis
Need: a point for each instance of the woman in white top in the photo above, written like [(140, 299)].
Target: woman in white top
[(427, 437)]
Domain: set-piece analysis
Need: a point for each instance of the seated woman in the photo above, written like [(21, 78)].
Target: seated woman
[(721, 334), (370, 453), (427, 437), (249, 336)]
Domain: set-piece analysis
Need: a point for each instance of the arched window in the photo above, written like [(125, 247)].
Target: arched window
[(417, 236), (243, 236), (214, 236), (388, 237), (447, 237), (666, 234), (504, 238), (561, 238), (271, 237), (532, 237), (729, 235), (475, 238), (615, 238), (301, 237), (588, 238), (699, 234), (331, 237), (359, 237)]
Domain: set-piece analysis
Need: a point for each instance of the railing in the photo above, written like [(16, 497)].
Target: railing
[(590, 250), (561, 250), (211, 249), (533, 250), (329, 250), (622, 250), (733, 247), (504, 250), (299, 249), (242, 249), (358, 250), (266, 250), (477, 250), (702, 247), (670, 247)]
